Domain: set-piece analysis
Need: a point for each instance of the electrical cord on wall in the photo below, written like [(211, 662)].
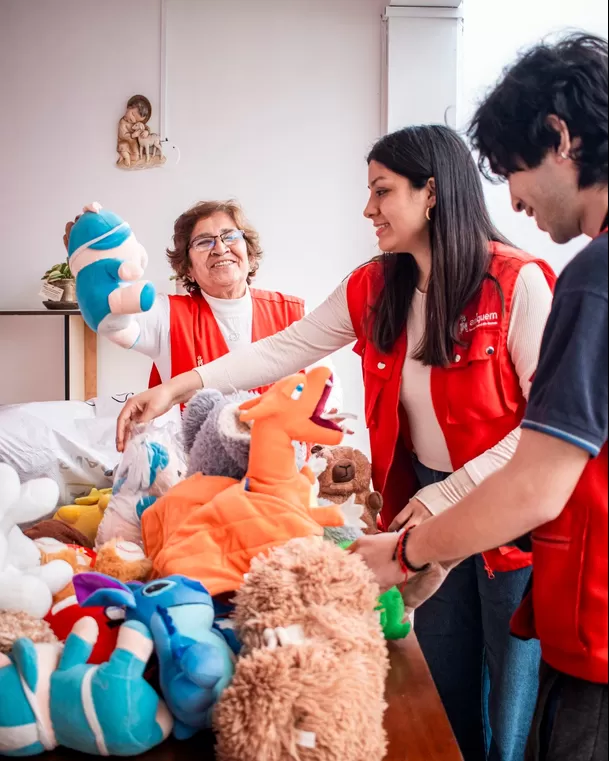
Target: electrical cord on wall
[(175, 148), (163, 81)]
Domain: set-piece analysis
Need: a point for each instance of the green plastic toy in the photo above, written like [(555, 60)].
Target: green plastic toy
[(391, 607)]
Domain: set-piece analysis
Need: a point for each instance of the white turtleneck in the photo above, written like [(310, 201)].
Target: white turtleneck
[(235, 318)]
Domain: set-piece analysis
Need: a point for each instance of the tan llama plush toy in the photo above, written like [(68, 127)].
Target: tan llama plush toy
[(311, 683)]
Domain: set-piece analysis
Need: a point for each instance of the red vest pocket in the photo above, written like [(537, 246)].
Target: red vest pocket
[(473, 384), (378, 369), (558, 564)]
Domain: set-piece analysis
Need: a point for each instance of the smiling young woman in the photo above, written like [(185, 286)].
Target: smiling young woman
[(448, 321)]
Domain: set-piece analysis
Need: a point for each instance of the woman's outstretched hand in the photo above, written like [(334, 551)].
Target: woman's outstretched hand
[(142, 408), (151, 404)]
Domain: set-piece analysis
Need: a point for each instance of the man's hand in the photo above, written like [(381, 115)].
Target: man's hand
[(530, 491), (378, 553), (412, 515)]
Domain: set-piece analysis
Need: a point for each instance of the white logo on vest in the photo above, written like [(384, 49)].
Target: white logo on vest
[(488, 320)]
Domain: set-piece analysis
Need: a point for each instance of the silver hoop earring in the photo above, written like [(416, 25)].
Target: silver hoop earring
[(428, 214)]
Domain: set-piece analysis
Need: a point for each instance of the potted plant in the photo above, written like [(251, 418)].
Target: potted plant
[(60, 277)]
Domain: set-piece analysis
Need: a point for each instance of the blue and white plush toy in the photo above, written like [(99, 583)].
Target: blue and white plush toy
[(108, 264), (152, 463), (49, 699), (196, 663)]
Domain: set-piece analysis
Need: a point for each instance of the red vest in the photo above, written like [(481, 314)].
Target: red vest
[(568, 607), (477, 399), (196, 338)]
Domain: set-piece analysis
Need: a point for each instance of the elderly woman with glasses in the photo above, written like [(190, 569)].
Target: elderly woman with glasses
[(215, 254)]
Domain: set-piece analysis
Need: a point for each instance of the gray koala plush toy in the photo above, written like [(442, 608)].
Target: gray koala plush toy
[(216, 441)]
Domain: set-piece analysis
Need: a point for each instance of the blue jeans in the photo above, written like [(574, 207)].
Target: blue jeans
[(487, 679)]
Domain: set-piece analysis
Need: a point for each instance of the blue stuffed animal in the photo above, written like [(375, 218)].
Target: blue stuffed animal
[(153, 462), (196, 663), (108, 264), (49, 699)]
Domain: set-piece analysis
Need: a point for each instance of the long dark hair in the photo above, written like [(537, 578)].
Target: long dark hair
[(461, 230)]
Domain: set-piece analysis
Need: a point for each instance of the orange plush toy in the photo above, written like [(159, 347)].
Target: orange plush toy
[(209, 530)]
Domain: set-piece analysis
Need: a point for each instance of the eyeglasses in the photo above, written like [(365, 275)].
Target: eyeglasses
[(207, 242)]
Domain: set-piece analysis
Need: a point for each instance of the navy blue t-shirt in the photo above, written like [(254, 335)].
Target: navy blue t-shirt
[(568, 397)]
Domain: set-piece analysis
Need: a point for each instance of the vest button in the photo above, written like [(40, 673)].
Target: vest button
[(381, 365), (490, 351), (457, 358)]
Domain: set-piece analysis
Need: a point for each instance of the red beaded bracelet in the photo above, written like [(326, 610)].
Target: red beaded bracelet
[(398, 555), (402, 558)]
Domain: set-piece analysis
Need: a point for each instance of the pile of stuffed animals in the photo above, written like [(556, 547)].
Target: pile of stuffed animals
[(220, 550)]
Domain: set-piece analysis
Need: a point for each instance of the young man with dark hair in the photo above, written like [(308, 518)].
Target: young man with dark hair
[(545, 129)]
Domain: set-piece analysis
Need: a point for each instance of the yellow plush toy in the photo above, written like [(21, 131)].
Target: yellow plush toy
[(87, 512)]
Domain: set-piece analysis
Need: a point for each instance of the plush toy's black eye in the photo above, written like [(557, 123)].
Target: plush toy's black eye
[(157, 588)]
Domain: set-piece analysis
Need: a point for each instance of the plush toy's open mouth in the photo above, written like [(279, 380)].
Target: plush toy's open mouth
[(333, 422)]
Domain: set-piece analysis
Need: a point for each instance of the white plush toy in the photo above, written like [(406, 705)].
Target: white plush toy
[(153, 462), (25, 585), (108, 264)]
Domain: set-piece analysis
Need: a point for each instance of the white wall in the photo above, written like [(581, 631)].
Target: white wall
[(275, 103), (432, 95), (495, 31), (67, 69)]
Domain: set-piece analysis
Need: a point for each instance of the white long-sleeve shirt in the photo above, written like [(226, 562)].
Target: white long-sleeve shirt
[(329, 328), (235, 318)]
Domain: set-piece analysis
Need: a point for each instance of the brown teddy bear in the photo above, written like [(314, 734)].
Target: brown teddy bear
[(122, 560), (348, 472), (312, 641)]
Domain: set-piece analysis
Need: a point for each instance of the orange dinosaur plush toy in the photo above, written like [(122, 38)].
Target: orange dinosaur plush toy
[(222, 527)]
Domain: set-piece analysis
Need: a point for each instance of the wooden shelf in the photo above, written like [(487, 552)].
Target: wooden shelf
[(40, 312), (90, 345)]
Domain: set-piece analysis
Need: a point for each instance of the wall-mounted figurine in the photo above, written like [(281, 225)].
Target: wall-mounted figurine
[(137, 146)]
